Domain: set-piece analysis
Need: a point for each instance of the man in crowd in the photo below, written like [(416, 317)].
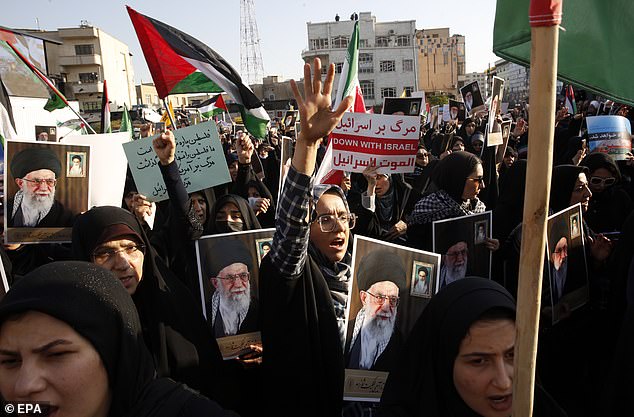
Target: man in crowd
[(454, 263), (375, 341), (231, 309), (35, 171)]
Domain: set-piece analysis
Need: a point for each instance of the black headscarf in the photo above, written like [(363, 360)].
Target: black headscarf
[(95, 305), (422, 383), (92, 301), (598, 160), (562, 184), (173, 325), (510, 206), (452, 171), (249, 219)]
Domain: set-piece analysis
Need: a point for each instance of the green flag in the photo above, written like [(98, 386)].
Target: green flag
[(595, 44), (54, 102), (126, 123)]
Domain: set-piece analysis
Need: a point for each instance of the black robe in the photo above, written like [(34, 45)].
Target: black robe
[(58, 216), (303, 362)]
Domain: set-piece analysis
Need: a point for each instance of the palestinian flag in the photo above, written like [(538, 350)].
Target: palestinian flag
[(348, 86), (174, 58), (571, 105), (213, 106), (105, 111)]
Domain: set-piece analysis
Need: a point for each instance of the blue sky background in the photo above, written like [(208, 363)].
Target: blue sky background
[(281, 24)]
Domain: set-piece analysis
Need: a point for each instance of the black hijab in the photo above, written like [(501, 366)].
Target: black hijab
[(422, 382), (248, 215), (598, 160), (173, 325), (95, 305), (92, 301), (510, 205), (562, 184), (452, 171)]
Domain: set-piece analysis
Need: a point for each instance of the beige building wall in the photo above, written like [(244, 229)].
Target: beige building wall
[(87, 57), (440, 60)]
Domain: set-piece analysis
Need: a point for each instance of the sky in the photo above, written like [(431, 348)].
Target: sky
[(281, 24)]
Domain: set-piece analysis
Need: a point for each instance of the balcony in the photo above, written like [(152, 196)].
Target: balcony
[(94, 59), (87, 88)]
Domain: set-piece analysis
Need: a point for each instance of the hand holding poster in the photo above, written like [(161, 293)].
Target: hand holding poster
[(611, 135), (388, 142), (199, 155)]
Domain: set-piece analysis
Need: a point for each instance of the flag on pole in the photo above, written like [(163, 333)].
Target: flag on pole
[(165, 118), (173, 57), (213, 106), (105, 110), (348, 86), (571, 104), (7, 124), (586, 48), (54, 102), (126, 123)]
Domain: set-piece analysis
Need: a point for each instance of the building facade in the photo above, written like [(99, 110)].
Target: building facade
[(516, 81), (387, 54), (85, 57), (441, 61)]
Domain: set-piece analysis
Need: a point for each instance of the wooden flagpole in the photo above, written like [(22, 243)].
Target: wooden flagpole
[(545, 16)]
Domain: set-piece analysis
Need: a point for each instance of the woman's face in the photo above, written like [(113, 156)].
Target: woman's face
[(125, 258), (42, 359), (483, 369), (333, 244), (382, 185), (470, 128), (458, 146), (581, 192), (474, 183), (601, 179), (229, 213)]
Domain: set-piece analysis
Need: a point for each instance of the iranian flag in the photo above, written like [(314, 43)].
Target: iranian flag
[(105, 111), (348, 86), (179, 62), (571, 105), (213, 106)]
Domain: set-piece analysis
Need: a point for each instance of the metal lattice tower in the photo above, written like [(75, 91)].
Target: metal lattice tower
[(251, 67)]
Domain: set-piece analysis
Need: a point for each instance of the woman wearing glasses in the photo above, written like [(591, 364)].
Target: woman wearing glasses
[(610, 204), (174, 328), (304, 278), (458, 179)]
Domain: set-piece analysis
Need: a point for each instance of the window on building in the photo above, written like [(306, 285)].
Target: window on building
[(381, 42), (363, 43), (148, 98), (319, 43), (156, 100), (90, 105), (340, 42), (387, 66), (367, 89), (435, 35), (403, 40), (88, 77), (338, 67), (87, 49), (408, 91), (408, 65), (271, 97), (366, 63), (388, 92), (445, 58)]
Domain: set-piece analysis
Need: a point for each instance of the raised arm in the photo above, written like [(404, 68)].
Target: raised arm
[(290, 242)]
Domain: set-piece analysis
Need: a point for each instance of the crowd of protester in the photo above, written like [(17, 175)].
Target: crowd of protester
[(144, 347)]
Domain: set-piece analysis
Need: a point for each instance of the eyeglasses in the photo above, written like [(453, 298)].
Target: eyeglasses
[(479, 180), (39, 181), (380, 299), (329, 222), (602, 181), (103, 256), (243, 276), (462, 253)]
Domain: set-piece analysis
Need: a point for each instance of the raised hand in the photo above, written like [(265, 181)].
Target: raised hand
[(316, 116), (244, 148), (165, 147)]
